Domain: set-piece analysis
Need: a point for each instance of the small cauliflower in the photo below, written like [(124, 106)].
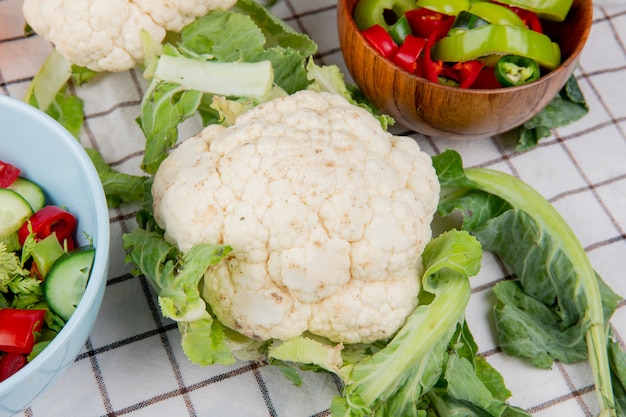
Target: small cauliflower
[(327, 213), (106, 35)]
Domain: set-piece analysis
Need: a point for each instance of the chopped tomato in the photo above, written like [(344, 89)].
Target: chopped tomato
[(10, 363), (8, 174)]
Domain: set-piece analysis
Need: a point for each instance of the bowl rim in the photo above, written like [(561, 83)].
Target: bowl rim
[(99, 269)]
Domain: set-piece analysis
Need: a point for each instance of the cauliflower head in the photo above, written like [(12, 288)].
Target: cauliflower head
[(327, 214), (105, 35)]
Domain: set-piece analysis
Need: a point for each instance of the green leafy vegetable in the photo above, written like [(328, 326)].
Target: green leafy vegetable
[(558, 307), (82, 75), (10, 265), (48, 92), (164, 106), (242, 38), (329, 78), (230, 37), (410, 364), (567, 107), (275, 30), (51, 78), (617, 359), (118, 187), (175, 278), (17, 288), (67, 109)]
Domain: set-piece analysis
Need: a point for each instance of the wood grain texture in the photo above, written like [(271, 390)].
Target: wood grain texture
[(441, 111)]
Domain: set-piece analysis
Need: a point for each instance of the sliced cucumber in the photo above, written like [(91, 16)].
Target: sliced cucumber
[(14, 211), (30, 191), (66, 280)]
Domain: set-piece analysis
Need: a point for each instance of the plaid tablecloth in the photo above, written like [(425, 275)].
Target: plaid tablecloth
[(132, 365)]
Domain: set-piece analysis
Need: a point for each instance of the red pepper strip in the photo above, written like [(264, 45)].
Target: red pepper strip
[(432, 69), (486, 80), (530, 18), (10, 363), (8, 174), (409, 52), (425, 22), (18, 328), (47, 220), (468, 72), (380, 40), (450, 73)]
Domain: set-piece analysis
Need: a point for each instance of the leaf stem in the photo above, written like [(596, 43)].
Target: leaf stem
[(524, 197)]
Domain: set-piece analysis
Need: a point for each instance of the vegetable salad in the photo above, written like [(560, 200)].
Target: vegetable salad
[(43, 273), (463, 43)]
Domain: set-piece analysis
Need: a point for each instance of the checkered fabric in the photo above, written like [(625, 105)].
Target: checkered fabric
[(133, 365)]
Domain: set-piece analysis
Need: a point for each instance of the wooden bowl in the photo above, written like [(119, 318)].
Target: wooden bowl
[(442, 111)]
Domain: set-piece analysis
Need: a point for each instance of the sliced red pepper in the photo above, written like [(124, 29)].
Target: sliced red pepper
[(409, 52), (450, 73), (8, 174), (47, 220), (425, 22), (431, 70), (530, 18), (18, 328), (486, 80), (380, 40), (10, 363), (468, 72)]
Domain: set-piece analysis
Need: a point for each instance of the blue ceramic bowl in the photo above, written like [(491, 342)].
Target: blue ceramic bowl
[(49, 155)]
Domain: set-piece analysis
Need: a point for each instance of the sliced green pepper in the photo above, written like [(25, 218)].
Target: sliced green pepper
[(555, 10), (368, 13), (496, 14), (400, 30), (466, 21), (449, 7), (499, 40), (512, 70)]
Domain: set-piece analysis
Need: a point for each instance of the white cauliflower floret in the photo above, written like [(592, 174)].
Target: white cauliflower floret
[(328, 215), (105, 35)]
